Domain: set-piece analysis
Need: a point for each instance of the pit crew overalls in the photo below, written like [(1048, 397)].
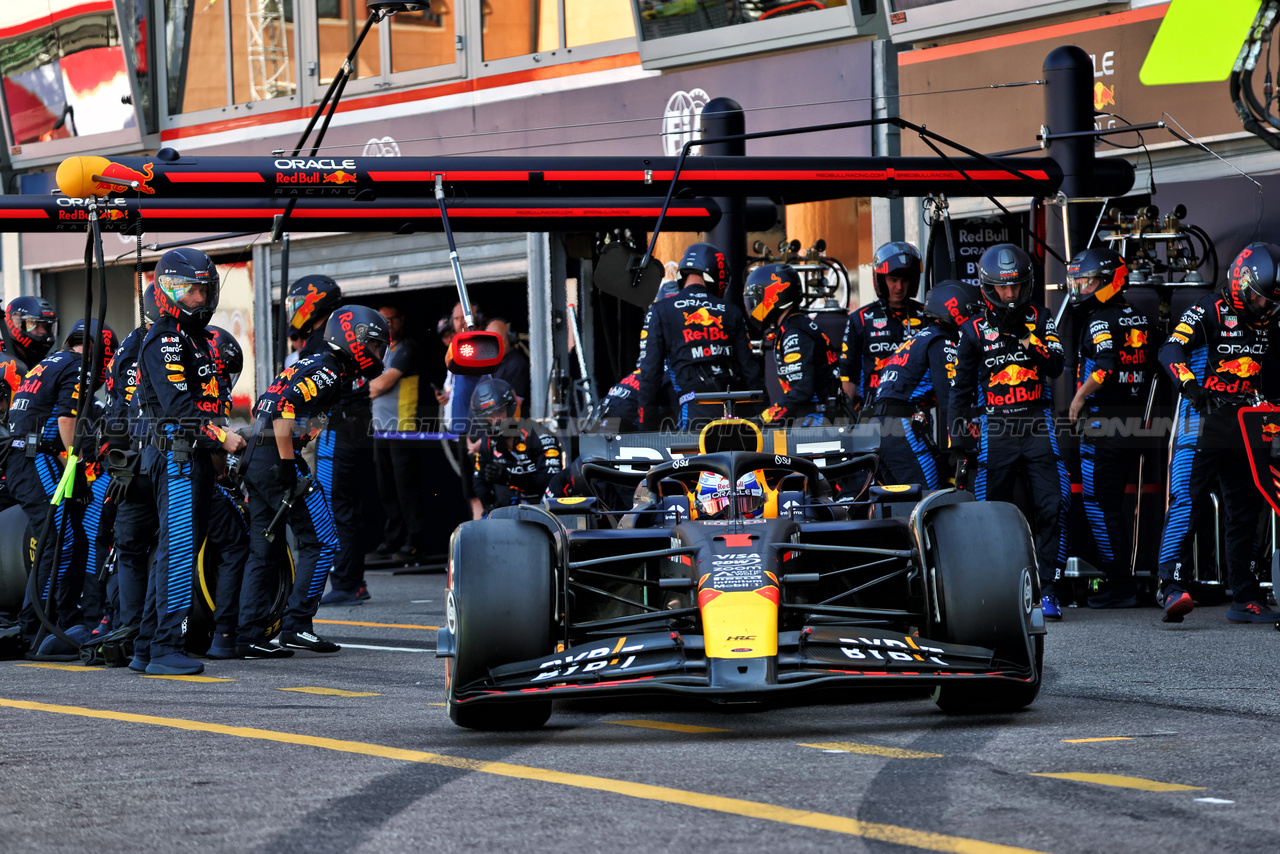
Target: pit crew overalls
[(303, 394), (916, 378), (1226, 354), (529, 458), (1004, 388), (870, 338), (806, 364)]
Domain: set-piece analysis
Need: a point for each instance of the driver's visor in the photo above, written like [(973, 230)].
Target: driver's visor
[(1261, 303)]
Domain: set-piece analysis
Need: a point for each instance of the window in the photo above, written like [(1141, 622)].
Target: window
[(407, 41), (231, 52), (512, 28), (681, 32), (64, 76), (423, 39), (924, 20)]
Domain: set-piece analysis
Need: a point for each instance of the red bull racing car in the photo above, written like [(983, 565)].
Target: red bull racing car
[(740, 575)]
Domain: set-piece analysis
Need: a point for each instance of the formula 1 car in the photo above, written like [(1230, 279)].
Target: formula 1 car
[(740, 576)]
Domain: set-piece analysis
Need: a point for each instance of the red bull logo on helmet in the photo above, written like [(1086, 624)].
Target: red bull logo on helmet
[(768, 302)]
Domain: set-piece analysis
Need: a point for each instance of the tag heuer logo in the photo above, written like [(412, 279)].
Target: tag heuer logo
[(991, 334), (1229, 321), (880, 323)]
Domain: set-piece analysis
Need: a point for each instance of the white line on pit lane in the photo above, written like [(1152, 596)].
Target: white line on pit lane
[(420, 601), (384, 648)]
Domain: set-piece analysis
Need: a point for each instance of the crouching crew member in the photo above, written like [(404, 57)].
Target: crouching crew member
[(803, 355), (917, 378), (875, 330), (43, 422), (25, 338), (697, 340), (290, 414), (517, 459), (1216, 354), (183, 408), (1113, 379), (1004, 362)]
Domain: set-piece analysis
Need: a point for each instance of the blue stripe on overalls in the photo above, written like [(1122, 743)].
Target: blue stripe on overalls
[(923, 455), (1178, 520), (181, 552), (50, 474), (1088, 489), (980, 480), (322, 523), (93, 518), (1064, 491), (325, 446)]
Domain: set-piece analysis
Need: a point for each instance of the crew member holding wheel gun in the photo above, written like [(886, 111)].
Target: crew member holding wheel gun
[(290, 413), (1216, 355), (183, 406)]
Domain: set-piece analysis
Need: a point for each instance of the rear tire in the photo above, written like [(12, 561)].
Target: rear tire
[(15, 559), (983, 562), (500, 611)]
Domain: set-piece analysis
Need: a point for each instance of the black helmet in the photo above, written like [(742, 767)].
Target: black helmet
[(150, 313), (1253, 280), (177, 271), (361, 336), (28, 329), (898, 259), (309, 299), (493, 398), (227, 354), (1005, 264), (1099, 263), (952, 303), (710, 262), (770, 292), (669, 288), (107, 339)]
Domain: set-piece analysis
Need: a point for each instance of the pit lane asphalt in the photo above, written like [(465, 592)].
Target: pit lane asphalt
[(105, 760)]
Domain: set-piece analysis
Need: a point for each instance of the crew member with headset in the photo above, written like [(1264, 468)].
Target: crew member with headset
[(1112, 381), (1216, 354), (875, 330), (698, 340), (25, 338), (918, 378), (228, 521), (517, 459), (342, 449), (288, 414), (42, 420), (183, 408), (1002, 397), (803, 355)]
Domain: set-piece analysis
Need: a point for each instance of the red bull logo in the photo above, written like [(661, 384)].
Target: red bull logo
[(702, 317), (1244, 366), (1135, 339), (303, 315), (1270, 430), (1103, 96), (769, 301), (1014, 375), (124, 173), (340, 178)]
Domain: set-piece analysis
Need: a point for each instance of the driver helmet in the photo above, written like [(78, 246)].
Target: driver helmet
[(714, 495)]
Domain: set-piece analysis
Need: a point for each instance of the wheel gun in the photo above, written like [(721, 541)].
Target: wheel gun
[(299, 491)]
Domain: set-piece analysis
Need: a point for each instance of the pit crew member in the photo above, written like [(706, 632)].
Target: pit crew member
[(875, 330), (517, 459)]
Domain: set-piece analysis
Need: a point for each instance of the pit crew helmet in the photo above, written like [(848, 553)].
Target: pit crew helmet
[(707, 260), (770, 292), (150, 312), (359, 335), (493, 400), (107, 340), (1005, 264), (951, 304), (1253, 286), (1096, 276), (28, 329), (309, 299), (177, 272), (899, 259), (713, 495), (227, 354)]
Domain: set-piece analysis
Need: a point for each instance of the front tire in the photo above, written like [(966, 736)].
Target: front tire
[(15, 558), (500, 603), (983, 573)]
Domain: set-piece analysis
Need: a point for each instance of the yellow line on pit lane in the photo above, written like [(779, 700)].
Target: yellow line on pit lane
[(177, 678), (333, 692), (1124, 782), (731, 806), (1091, 740), (375, 625), (669, 727), (874, 750), (75, 668)]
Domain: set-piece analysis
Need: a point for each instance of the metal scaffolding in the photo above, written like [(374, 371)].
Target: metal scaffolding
[(268, 53)]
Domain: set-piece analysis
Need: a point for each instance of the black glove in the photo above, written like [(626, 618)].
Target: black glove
[(494, 473), (285, 475), (1014, 323), (958, 456), (1197, 394)]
